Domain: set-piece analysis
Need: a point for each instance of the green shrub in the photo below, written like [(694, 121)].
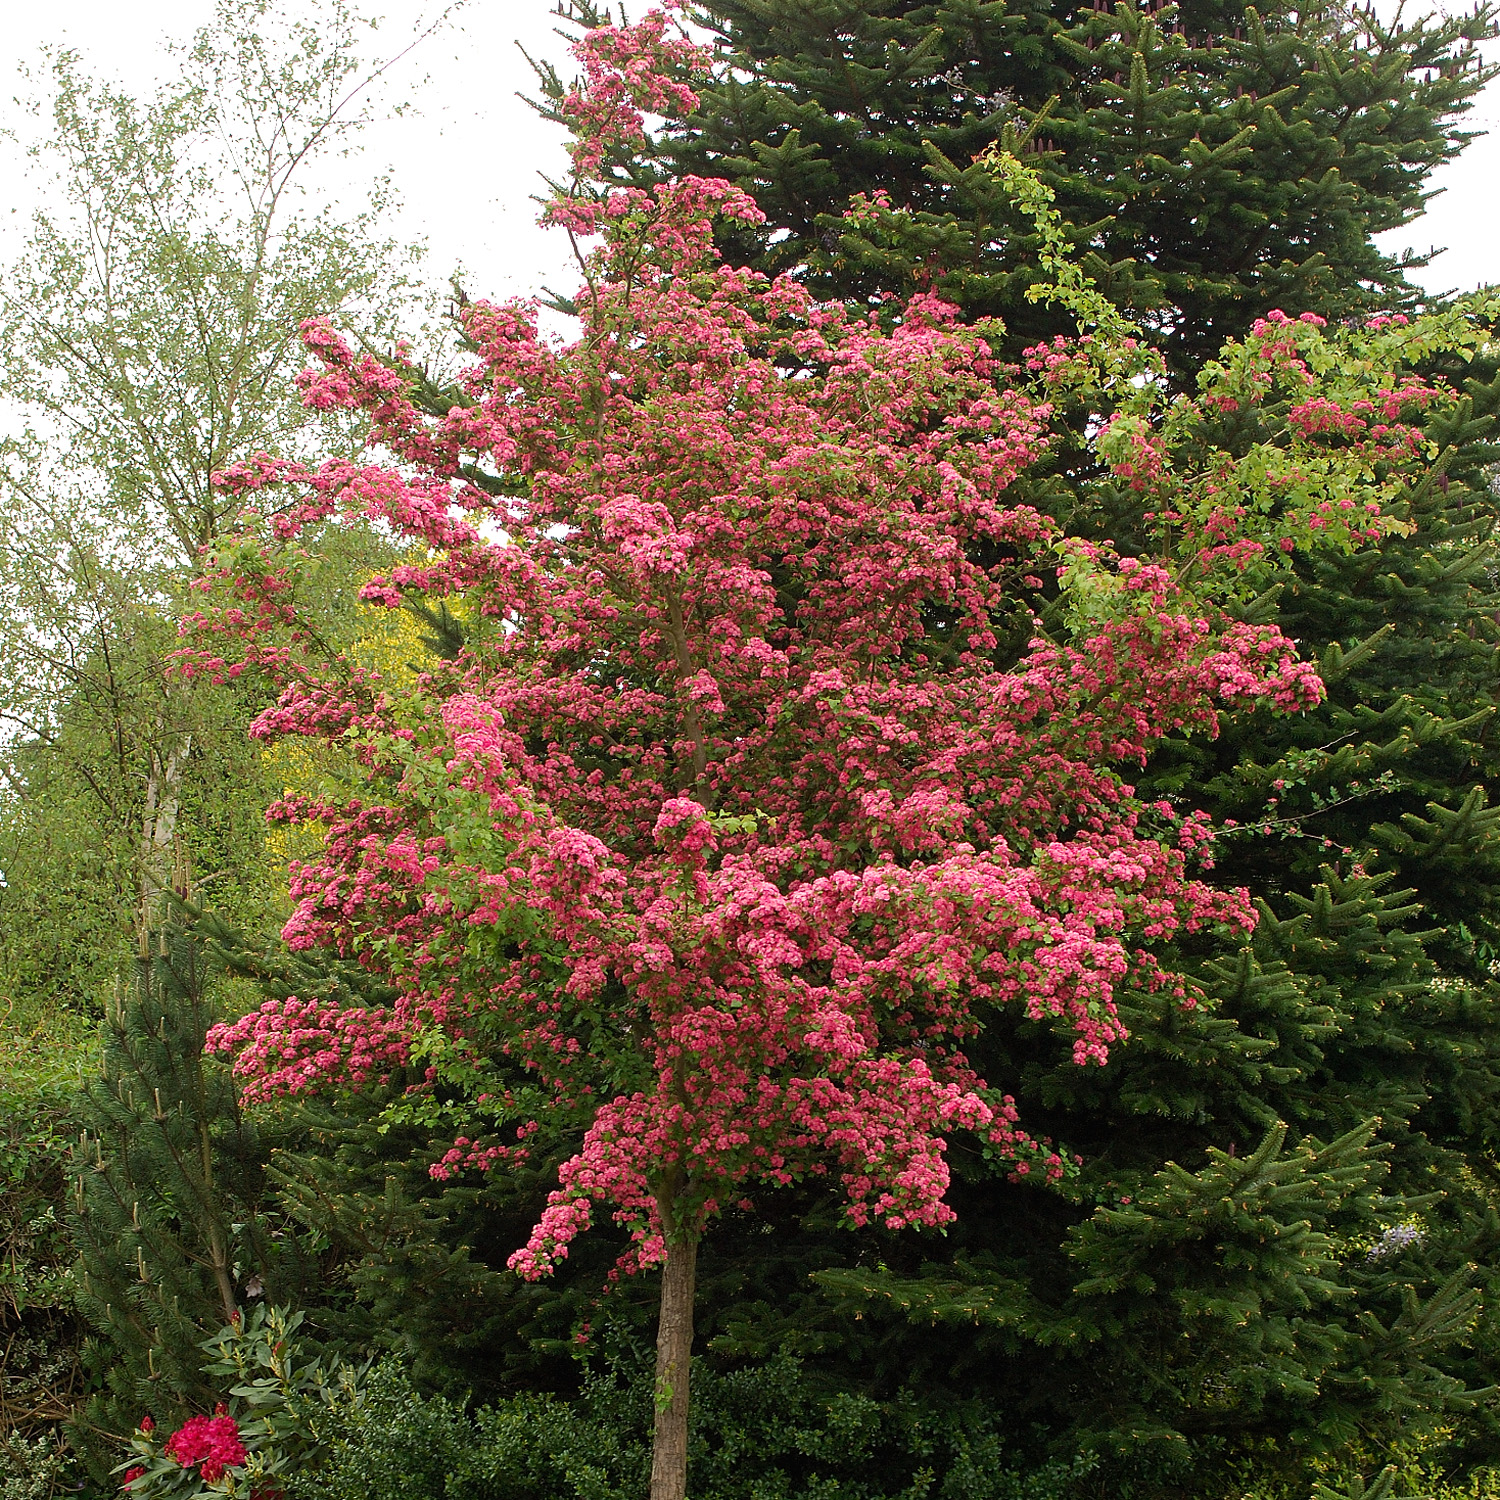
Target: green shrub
[(40, 1334), (762, 1433), (33, 1469)]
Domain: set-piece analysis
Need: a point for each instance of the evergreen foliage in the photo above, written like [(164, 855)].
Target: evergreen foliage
[(1366, 1000), (1213, 160), (1383, 893), (167, 1196), (411, 1264), (1356, 1034)]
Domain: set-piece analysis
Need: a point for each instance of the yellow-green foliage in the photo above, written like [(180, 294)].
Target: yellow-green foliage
[(42, 1045), (1408, 1473), (391, 644)]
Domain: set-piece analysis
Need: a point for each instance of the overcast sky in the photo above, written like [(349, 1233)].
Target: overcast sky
[(466, 165)]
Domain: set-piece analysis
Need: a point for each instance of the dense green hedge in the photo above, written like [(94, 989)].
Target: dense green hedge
[(40, 1332), (766, 1432)]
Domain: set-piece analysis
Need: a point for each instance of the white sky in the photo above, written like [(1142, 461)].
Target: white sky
[(466, 164), (465, 158)]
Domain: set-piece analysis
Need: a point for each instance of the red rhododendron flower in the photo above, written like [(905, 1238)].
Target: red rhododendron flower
[(213, 1443)]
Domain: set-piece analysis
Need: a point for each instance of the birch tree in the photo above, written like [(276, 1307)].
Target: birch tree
[(149, 338)]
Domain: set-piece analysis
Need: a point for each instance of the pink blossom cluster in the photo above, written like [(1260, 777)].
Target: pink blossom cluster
[(1258, 663), (628, 71), (1063, 360), (294, 1046), (1275, 319), (466, 1155), (734, 826)]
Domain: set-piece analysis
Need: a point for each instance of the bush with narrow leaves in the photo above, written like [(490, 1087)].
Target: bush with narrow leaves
[(277, 1420)]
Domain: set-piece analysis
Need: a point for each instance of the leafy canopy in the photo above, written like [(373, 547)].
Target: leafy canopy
[(736, 817)]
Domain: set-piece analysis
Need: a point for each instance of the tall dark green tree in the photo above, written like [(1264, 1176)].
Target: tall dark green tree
[(1213, 160), (410, 1263), (1227, 1293)]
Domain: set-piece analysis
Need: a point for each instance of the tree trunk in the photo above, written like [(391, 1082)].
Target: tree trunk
[(674, 1352), (167, 765)]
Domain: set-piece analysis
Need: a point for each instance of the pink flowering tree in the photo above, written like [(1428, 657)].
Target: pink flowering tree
[(756, 792)]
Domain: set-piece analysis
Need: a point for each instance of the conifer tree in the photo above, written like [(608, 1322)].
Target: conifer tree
[(1366, 995), (1368, 992), (1213, 160), (412, 1262), (167, 1192)]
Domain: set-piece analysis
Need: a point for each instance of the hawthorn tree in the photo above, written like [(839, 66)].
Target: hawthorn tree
[(755, 794)]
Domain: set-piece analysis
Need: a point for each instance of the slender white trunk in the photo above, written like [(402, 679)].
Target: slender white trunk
[(159, 856)]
